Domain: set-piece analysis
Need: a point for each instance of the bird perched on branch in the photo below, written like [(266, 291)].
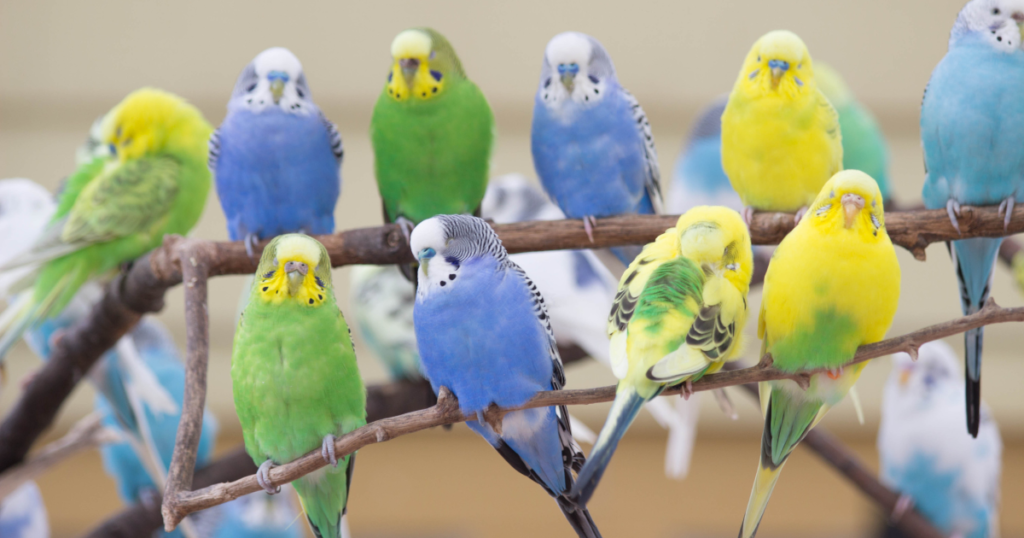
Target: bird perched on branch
[(276, 158), (295, 378), (972, 129), (780, 135), (484, 334), (432, 132), (950, 478), (679, 314), (592, 144), (116, 208), (832, 286)]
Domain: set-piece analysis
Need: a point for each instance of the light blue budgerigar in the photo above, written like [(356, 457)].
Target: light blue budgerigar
[(951, 478), (484, 334), (276, 158), (698, 177), (972, 131), (23, 514), (592, 144)]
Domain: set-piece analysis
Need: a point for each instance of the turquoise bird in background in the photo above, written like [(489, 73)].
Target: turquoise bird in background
[(972, 132)]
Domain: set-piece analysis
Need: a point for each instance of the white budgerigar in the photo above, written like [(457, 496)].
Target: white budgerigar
[(23, 514), (25, 208), (926, 454)]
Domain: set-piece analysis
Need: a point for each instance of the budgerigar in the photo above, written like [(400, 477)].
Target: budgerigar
[(276, 158), (116, 208), (484, 333), (950, 478), (432, 132), (592, 145), (972, 130), (25, 209), (679, 314), (23, 514), (382, 302), (578, 291), (295, 378), (832, 286), (258, 515), (780, 135), (698, 177), (864, 145)]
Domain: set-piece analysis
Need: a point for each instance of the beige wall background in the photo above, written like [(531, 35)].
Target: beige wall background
[(64, 63)]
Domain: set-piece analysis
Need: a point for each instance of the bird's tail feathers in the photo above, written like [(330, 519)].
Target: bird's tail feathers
[(625, 408), (681, 423), (764, 483), (26, 312), (579, 518)]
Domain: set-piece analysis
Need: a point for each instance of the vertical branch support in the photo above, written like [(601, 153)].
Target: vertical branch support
[(194, 260)]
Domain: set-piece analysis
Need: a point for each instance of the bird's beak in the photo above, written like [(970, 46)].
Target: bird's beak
[(296, 272), (852, 204), (409, 68), (277, 89), (779, 68), (569, 81), (904, 377)]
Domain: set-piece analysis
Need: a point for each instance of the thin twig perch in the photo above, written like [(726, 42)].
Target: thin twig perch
[(446, 411)]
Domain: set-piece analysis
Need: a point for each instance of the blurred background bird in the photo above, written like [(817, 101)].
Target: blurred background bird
[(972, 129), (117, 207), (592, 144), (23, 514), (276, 158), (949, 477), (780, 136), (432, 132), (833, 285), (678, 314)]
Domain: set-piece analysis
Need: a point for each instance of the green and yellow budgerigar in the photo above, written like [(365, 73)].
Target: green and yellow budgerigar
[(780, 136), (679, 314), (296, 382), (832, 286), (116, 207), (864, 145), (432, 132)]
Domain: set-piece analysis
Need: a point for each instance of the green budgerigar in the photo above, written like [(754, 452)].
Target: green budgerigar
[(117, 206), (296, 382), (432, 132)]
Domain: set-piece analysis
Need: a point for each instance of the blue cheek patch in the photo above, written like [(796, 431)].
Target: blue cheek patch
[(436, 74), (452, 261), (753, 74), (798, 81)]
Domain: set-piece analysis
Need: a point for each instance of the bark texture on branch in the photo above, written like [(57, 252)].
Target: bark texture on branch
[(446, 410)]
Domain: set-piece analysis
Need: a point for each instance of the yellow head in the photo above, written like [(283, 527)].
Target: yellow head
[(423, 64), (294, 268), (850, 202), (778, 63), (717, 239), (151, 121)]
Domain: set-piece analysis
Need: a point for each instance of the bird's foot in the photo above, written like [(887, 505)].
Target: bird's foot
[(327, 450), (1006, 211), (687, 389), (953, 210), (903, 504), (799, 215), (250, 241), (725, 404), (263, 478), (834, 373), (748, 215), (406, 226), (589, 222)]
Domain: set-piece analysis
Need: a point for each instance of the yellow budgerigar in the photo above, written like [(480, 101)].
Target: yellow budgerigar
[(678, 315), (832, 286), (780, 135)]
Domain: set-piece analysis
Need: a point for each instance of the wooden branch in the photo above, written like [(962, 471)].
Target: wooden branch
[(446, 411), (86, 433)]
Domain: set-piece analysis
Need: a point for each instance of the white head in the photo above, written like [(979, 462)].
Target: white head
[(442, 244), (273, 79), (997, 21), (576, 68)]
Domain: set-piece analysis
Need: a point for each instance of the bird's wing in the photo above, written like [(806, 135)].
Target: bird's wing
[(653, 183), (130, 199), (214, 151), (829, 121), (334, 137)]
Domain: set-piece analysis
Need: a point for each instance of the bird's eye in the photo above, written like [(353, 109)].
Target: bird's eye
[(759, 57), (126, 142), (995, 11), (800, 65), (251, 87), (427, 253), (832, 194)]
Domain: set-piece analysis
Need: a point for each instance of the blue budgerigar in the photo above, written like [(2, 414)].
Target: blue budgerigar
[(276, 157), (592, 144), (972, 131), (926, 455), (23, 514), (484, 333), (698, 177)]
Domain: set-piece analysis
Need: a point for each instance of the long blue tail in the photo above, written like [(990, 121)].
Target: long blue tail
[(625, 408), (974, 259)]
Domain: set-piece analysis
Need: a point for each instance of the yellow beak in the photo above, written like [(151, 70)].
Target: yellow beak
[(277, 89), (904, 377), (852, 204)]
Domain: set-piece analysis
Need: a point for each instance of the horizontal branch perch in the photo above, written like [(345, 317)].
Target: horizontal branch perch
[(446, 411)]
